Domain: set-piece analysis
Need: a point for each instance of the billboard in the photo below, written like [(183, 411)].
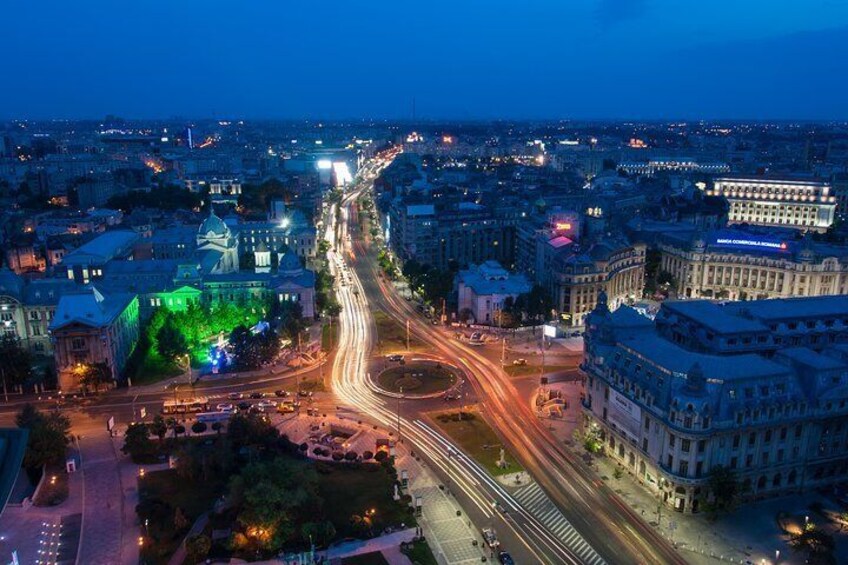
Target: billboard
[(744, 241), (625, 414)]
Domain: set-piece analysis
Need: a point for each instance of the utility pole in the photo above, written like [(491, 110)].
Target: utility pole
[(503, 351), (398, 414), (5, 391), (407, 335)]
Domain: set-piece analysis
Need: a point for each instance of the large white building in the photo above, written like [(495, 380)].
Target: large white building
[(803, 204), (737, 264), (759, 387), (483, 291)]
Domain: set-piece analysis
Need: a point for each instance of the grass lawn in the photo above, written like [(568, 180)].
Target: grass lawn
[(392, 335), (349, 490), (373, 558), (153, 368), (477, 439), (329, 336), (421, 554), (526, 370), (55, 488), (417, 378), (161, 493)]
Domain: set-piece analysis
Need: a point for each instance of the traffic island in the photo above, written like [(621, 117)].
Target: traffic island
[(476, 438), (417, 379)]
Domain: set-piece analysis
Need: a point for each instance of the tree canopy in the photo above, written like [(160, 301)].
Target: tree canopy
[(48, 436)]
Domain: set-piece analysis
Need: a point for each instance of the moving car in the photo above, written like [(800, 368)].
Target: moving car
[(490, 538), (257, 395), (285, 408), (305, 393), (235, 395), (266, 404), (225, 407), (396, 357), (520, 362), (281, 393), (244, 405), (505, 558)]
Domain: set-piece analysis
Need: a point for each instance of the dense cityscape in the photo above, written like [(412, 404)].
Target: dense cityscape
[(424, 284)]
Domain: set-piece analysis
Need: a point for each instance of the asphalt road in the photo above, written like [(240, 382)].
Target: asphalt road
[(612, 529)]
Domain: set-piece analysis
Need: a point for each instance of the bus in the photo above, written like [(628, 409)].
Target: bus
[(186, 405), (212, 417)]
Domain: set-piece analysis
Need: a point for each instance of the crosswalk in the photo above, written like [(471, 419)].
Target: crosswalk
[(537, 503)]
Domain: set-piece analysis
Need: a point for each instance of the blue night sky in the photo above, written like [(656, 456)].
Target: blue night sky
[(465, 59)]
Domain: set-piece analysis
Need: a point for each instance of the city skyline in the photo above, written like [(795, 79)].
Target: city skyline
[(606, 59)]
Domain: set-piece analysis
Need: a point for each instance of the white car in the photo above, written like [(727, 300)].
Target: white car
[(266, 404), (225, 407)]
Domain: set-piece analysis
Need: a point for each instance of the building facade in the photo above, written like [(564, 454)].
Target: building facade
[(92, 328), (764, 201), (744, 265), (760, 388), (483, 291)]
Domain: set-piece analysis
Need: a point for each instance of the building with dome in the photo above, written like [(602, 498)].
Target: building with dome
[(759, 387), (217, 248)]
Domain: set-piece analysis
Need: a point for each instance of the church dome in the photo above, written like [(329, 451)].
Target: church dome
[(213, 226), (290, 264)]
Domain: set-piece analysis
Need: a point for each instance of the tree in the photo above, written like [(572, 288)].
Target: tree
[(290, 314), (270, 498), (48, 436), (724, 488), (197, 548), (170, 340), (158, 427), (15, 363), (318, 533), (816, 543), (137, 442), (93, 375)]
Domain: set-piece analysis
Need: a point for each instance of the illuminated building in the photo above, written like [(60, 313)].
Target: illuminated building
[(456, 234), (92, 328), (578, 274), (217, 247), (651, 167), (766, 201), (759, 388), (737, 264)]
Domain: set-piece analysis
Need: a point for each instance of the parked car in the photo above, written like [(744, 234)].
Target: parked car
[(244, 405), (305, 393), (396, 357), (282, 393), (505, 558), (225, 407), (285, 408), (235, 395), (266, 404), (518, 362), (257, 395)]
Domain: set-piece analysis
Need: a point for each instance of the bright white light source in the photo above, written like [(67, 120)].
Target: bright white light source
[(342, 172), (325, 164), (284, 223)]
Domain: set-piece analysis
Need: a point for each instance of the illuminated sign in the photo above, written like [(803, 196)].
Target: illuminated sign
[(325, 164), (761, 243), (562, 226)]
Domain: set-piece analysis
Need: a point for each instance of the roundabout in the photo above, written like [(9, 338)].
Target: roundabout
[(424, 378)]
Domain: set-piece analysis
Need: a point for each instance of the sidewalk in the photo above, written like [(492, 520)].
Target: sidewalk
[(450, 536)]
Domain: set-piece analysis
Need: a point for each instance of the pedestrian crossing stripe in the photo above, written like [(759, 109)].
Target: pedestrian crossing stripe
[(535, 501)]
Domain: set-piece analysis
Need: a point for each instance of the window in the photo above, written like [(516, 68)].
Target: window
[(685, 445), (671, 440), (736, 441), (702, 445)]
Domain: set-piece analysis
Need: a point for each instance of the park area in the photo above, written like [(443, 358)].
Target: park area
[(418, 378), (391, 336), (254, 494), (476, 438)]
